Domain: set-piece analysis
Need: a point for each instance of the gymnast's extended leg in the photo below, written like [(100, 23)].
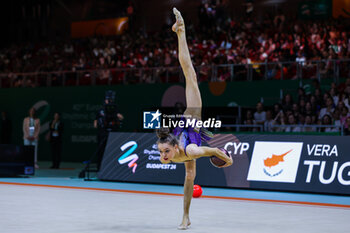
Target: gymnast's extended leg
[(193, 96)]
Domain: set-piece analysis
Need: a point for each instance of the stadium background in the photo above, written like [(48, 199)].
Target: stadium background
[(252, 58), (62, 56)]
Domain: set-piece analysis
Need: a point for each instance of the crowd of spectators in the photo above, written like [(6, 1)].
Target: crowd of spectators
[(217, 39), (329, 109)]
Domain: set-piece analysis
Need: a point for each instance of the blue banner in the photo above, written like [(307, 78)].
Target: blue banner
[(319, 164)]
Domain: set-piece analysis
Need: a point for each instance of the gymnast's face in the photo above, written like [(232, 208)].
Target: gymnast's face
[(167, 152)]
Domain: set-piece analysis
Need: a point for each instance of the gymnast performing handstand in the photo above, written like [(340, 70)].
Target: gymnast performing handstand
[(184, 144)]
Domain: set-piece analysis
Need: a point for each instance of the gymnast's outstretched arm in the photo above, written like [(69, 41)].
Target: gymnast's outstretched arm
[(196, 152)]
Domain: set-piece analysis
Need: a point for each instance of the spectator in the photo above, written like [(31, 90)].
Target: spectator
[(308, 123), (260, 114), (269, 122), (309, 115), (345, 99), (327, 121), (6, 129), (31, 129), (301, 120), (287, 102), (249, 117), (347, 127), (302, 106), (336, 119), (249, 120), (300, 59), (333, 94), (276, 109), (56, 130), (280, 119), (301, 94), (308, 109), (328, 109), (246, 41), (108, 119), (318, 97), (340, 106), (344, 115), (344, 85), (292, 124), (325, 96), (279, 20), (295, 111)]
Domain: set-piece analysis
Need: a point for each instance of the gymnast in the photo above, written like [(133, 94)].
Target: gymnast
[(184, 144)]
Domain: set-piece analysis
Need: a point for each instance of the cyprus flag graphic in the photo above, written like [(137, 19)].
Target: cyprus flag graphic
[(275, 161)]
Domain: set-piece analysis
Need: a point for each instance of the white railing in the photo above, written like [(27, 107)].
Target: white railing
[(321, 69), (285, 128)]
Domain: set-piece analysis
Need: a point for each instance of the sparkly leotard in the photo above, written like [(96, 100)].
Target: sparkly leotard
[(192, 135)]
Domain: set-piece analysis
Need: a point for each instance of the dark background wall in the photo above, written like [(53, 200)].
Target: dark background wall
[(79, 105)]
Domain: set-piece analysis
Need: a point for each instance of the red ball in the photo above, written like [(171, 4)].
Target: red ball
[(197, 191)]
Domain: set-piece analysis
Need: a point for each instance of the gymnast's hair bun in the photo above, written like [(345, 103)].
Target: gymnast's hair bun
[(163, 133)]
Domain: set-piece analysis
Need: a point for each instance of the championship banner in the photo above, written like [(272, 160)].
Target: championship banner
[(134, 157), (104, 27), (319, 164)]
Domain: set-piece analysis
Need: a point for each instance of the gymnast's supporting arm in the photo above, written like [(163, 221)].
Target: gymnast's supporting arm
[(188, 192), (193, 100)]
